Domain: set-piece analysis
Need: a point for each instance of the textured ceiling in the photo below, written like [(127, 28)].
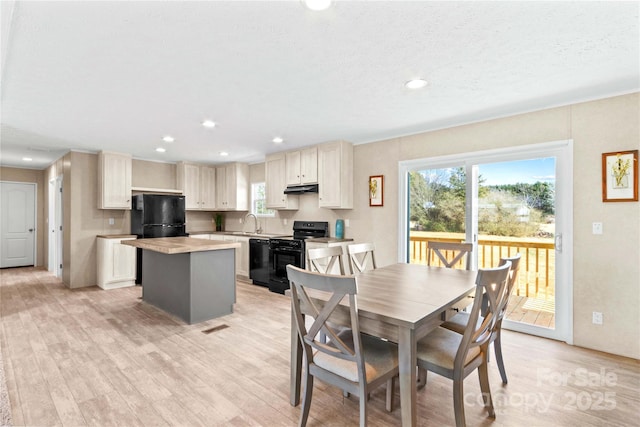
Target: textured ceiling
[(120, 75)]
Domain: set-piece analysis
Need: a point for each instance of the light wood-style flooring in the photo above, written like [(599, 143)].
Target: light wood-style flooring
[(101, 358)]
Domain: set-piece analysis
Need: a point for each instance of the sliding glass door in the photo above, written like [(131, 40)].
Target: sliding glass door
[(504, 202)]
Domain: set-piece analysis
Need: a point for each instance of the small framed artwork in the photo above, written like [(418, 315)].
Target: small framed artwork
[(376, 190), (620, 176)]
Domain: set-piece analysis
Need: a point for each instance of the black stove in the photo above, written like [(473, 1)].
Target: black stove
[(290, 250)]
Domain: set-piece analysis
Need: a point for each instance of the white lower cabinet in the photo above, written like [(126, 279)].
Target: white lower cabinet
[(242, 257), (116, 262), (242, 253)]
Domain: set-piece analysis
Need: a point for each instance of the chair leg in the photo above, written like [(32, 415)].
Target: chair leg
[(306, 400), (363, 409), (483, 375), (389, 402), (422, 378), (458, 402), (497, 347)]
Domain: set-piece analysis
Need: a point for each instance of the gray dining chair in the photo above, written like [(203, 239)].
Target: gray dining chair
[(323, 260), (455, 355), (361, 257), (449, 253), (458, 323), (355, 362)]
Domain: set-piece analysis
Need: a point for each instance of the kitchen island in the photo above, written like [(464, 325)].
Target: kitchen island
[(192, 279)]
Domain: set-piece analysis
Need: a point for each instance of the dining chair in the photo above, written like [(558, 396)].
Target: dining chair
[(449, 253), (454, 355), (355, 362), (323, 260), (458, 323), (361, 257)]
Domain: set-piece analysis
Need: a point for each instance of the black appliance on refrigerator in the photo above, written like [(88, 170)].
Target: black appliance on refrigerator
[(156, 215), (291, 250)]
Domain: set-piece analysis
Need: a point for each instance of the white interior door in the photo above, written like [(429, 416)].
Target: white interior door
[(17, 220)]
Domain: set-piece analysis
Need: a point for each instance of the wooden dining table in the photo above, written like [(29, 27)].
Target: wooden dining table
[(401, 303)]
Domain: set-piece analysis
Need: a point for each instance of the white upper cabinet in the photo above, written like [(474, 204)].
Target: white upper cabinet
[(302, 166), (207, 188), (276, 182), (335, 175), (198, 184), (114, 180), (232, 187)]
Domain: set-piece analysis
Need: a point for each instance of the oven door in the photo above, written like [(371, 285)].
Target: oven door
[(279, 258)]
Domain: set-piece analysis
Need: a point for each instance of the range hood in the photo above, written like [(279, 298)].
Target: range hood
[(301, 189)]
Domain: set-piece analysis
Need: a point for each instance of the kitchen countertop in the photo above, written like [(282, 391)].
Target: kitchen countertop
[(117, 236), (327, 240), (241, 233), (181, 245)]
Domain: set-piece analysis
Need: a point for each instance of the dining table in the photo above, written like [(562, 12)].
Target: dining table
[(401, 303)]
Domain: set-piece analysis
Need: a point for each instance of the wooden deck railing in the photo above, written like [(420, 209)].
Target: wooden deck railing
[(537, 267)]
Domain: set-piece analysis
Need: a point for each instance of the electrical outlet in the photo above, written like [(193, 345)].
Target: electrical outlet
[(597, 318), (596, 228), (241, 220), (346, 223), (111, 221), (284, 221)]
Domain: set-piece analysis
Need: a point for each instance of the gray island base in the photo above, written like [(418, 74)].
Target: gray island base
[(191, 280)]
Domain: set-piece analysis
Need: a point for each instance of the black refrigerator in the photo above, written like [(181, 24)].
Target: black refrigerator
[(156, 215)]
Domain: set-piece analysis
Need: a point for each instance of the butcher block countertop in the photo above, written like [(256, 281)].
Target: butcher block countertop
[(180, 245)]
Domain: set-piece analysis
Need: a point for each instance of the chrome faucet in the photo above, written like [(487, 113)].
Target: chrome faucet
[(257, 229)]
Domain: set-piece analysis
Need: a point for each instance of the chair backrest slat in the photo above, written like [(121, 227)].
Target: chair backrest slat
[(323, 260), (361, 257), (442, 249), (337, 287), (491, 284)]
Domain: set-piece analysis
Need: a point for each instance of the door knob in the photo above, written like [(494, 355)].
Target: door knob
[(31, 230)]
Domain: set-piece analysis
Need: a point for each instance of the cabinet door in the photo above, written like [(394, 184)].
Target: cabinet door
[(191, 186), (231, 187), (221, 188), (329, 175), (335, 175), (207, 188), (292, 160), (124, 262), (242, 256), (309, 166), (114, 181), (276, 182)]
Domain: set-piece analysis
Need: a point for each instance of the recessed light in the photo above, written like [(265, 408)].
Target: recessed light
[(317, 5), (168, 138), (209, 124), (161, 150), (224, 153), (416, 84), (27, 159), (278, 140)]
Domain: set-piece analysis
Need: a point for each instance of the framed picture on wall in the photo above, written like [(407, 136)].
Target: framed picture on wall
[(376, 190), (620, 176)]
